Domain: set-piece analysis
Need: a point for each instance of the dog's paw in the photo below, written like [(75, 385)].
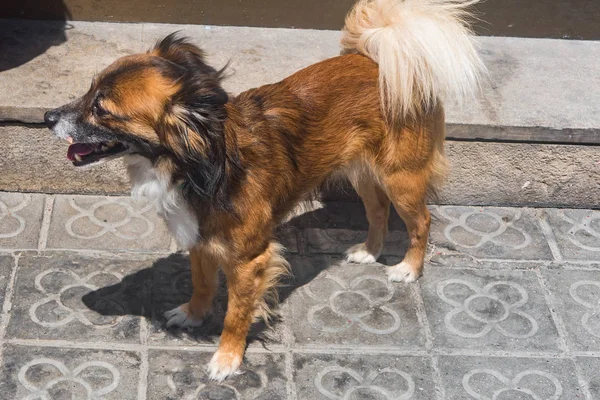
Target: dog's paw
[(360, 254), (180, 317), (402, 272), (223, 365)]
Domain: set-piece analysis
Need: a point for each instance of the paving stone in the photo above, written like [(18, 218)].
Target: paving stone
[(111, 223), (337, 241), (288, 236), (6, 265), (20, 220), (336, 303), (577, 296), (488, 310), (67, 296), (577, 233), (172, 286), (508, 378), (342, 215), (68, 57), (500, 233), (182, 375), (53, 373), (590, 367), (319, 376), (263, 56)]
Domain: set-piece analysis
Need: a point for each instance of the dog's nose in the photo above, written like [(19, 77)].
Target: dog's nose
[(51, 118)]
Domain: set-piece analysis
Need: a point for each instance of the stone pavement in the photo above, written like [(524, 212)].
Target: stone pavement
[(508, 308)]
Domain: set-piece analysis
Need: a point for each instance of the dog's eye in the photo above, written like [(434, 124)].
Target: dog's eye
[(99, 111)]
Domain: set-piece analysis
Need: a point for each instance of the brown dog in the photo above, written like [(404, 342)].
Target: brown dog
[(225, 171)]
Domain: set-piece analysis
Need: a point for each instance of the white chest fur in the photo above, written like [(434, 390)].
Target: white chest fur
[(170, 204)]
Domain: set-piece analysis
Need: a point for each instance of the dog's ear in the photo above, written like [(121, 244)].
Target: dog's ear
[(180, 51), (198, 144), (193, 123)]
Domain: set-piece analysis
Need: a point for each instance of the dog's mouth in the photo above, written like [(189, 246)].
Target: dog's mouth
[(81, 154)]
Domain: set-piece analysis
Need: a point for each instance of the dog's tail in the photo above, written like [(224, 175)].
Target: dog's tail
[(424, 49)]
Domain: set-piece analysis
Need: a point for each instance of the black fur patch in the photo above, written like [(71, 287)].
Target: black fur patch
[(209, 170)]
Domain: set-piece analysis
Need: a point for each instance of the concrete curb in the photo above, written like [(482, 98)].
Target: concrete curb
[(499, 174), (532, 83), (539, 93)]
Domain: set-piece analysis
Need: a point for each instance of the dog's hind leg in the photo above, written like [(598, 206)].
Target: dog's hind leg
[(205, 279), (408, 191), (377, 207)]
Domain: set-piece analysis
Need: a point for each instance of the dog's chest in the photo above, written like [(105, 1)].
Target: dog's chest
[(169, 202)]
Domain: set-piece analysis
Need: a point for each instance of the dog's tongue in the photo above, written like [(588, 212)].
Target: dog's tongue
[(81, 149)]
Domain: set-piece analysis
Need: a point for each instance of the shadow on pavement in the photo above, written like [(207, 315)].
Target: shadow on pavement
[(167, 284), (21, 40)]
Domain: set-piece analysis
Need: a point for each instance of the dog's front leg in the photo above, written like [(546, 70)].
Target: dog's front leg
[(205, 279), (247, 282)]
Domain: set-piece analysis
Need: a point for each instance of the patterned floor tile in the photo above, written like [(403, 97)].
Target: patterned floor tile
[(50, 373), (288, 236), (334, 302), (505, 233), (20, 220), (111, 223), (577, 294), (577, 233), (384, 377), (71, 297), (342, 215), (590, 367), (491, 310), (508, 378), (337, 241), (182, 375)]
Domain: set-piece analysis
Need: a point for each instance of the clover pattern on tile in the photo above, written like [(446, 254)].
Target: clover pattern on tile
[(52, 375), (11, 223), (483, 226), (87, 224), (587, 293), (349, 304), (533, 384), (62, 301), (248, 385), (584, 232), (478, 311), (386, 383)]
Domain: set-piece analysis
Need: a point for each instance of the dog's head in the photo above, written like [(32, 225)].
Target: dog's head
[(164, 103)]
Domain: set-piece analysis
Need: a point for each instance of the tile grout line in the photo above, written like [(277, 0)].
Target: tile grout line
[(560, 328), (45, 228), (173, 246), (7, 305), (144, 367), (562, 333), (415, 290), (288, 342), (289, 372), (550, 237), (424, 322), (440, 391)]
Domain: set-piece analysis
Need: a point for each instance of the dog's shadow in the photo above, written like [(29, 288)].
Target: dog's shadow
[(167, 282)]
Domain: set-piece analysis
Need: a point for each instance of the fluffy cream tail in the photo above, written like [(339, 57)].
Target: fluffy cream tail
[(424, 49)]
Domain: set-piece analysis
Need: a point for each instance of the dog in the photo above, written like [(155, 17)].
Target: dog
[(225, 170)]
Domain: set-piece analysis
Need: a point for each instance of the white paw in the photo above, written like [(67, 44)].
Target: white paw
[(359, 254), (180, 318), (223, 365), (402, 272)]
